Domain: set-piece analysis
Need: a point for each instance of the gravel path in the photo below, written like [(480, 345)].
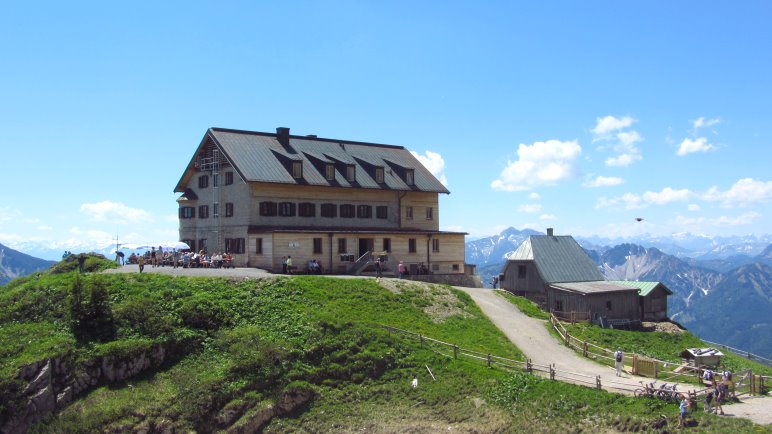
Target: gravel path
[(530, 335)]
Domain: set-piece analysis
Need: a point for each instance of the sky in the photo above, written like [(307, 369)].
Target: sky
[(581, 116)]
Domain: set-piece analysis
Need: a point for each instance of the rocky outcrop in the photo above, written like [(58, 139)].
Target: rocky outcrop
[(291, 400), (53, 383)]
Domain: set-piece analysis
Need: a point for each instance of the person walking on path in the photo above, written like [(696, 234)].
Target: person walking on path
[(401, 269), (721, 390), (618, 355), (283, 265), (495, 281), (82, 263), (289, 264), (141, 262), (378, 268)]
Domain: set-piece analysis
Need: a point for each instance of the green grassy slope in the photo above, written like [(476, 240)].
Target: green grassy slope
[(242, 347)]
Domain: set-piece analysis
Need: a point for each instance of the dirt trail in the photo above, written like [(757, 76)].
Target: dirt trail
[(533, 339)]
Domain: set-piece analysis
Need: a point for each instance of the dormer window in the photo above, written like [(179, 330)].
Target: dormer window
[(329, 172), (379, 175), (351, 174), (410, 177), (297, 169)]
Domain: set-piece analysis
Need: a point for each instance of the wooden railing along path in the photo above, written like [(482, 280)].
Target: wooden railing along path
[(650, 367)]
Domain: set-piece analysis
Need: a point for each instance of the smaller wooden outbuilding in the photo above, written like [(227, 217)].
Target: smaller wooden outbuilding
[(652, 298), (702, 356), (599, 299)]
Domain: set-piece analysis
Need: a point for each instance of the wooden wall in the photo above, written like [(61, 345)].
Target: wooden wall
[(655, 305)]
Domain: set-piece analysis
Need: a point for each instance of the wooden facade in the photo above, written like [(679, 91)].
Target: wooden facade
[(288, 203), (620, 303), (521, 277), (653, 306)]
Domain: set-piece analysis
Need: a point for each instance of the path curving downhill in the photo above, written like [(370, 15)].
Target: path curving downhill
[(531, 336)]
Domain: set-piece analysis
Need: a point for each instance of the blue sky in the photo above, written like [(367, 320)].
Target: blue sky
[(575, 115)]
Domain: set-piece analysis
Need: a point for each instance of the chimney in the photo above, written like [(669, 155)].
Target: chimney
[(282, 135), (549, 232)]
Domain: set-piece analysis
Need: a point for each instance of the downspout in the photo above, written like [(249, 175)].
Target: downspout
[(399, 208), (329, 269), (428, 255)]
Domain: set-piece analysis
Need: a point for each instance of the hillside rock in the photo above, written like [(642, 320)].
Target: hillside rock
[(52, 383)]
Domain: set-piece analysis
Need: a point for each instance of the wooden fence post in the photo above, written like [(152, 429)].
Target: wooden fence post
[(761, 385), (421, 338), (455, 351), (635, 364), (489, 360), (573, 317), (597, 382), (584, 349), (753, 383), (528, 366), (552, 371)]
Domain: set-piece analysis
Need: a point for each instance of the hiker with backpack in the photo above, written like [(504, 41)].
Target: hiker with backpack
[(618, 355), (726, 376)]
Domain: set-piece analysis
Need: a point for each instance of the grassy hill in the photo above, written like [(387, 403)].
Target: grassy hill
[(154, 353)]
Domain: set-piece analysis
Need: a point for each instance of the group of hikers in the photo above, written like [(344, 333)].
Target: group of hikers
[(719, 388), (177, 258)]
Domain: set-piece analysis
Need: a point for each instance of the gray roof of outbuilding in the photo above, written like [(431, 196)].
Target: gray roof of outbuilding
[(594, 287), (256, 157), (558, 259)]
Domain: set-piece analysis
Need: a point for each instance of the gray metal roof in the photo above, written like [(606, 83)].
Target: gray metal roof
[(596, 287), (257, 157), (558, 259)]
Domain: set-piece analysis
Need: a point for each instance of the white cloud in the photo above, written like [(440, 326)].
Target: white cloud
[(114, 212), (9, 214), (721, 221), (434, 163), (694, 207), (608, 124), (667, 195), (689, 146), (743, 192), (45, 228), (542, 163), (603, 181), (453, 228), (614, 133), (634, 201), (534, 196), (530, 207), (75, 230), (628, 200), (546, 217), (701, 122)]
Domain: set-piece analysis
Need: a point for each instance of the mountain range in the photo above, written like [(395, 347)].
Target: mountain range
[(716, 281), (15, 264)]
